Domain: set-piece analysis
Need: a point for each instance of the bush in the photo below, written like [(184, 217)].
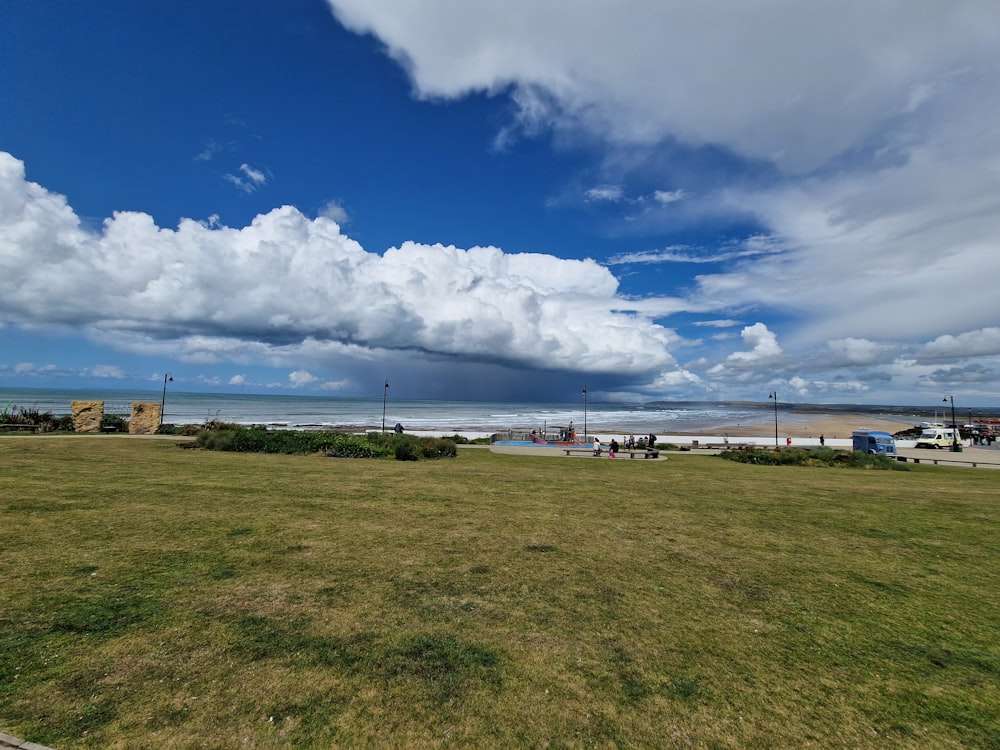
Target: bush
[(339, 444), (42, 420), (437, 448), (114, 423), (811, 457), (404, 450), (63, 424)]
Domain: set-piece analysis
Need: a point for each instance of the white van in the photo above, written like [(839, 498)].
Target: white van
[(938, 437)]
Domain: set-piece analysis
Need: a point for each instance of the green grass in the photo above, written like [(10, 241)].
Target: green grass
[(155, 597)]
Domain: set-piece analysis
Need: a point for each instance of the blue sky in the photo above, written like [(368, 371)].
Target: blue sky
[(684, 200)]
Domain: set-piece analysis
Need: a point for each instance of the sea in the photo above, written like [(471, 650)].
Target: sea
[(443, 417)]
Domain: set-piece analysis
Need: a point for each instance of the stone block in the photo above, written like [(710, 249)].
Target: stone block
[(87, 415), (145, 419)]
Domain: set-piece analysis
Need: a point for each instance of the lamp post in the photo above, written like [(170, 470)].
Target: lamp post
[(385, 392), (585, 414), (954, 425), (774, 395), (167, 377)]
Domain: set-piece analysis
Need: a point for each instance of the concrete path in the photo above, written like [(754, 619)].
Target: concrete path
[(979, 457), (556, 452), (9, 741)]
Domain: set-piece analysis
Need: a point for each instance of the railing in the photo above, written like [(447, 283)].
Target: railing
[(966, 462)]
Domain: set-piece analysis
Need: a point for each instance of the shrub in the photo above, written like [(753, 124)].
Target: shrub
[(811, 457), (42, 420), (339, 444), (114, 423), (63, 424), (219, 440), (405, 451), (437, 448)]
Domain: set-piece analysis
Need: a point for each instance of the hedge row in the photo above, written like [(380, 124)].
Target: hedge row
[(811, 457), (346, 445)]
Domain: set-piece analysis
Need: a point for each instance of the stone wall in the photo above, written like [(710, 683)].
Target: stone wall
[(145, 418), (87, 415)]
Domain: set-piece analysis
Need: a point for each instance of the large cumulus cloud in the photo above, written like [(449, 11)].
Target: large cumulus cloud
[(287, 280)]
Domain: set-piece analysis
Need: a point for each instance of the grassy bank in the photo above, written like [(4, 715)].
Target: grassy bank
[(160, 597)]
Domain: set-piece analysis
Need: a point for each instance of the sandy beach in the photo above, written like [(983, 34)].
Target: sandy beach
[(809, 426)]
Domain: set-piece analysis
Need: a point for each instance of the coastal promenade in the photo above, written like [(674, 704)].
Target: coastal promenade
[(980, 457)]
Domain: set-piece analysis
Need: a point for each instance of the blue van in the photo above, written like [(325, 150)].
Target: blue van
[(874, 441)]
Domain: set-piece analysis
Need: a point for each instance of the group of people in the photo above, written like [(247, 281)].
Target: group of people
[(628, 442)]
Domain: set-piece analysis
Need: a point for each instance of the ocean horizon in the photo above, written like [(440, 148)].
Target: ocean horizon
[(335, 412)]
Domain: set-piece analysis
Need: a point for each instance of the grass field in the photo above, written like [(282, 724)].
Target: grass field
[(156, 597)]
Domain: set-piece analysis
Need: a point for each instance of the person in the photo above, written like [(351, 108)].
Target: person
[(597, 446), (398, 429), (822, 441), (788, 441), (652, 441), (613, 448)]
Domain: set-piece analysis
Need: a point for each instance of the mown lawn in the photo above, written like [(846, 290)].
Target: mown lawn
[(160, 597)]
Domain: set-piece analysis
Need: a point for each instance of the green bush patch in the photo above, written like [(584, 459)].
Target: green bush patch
[(332, 444), (812, 457)]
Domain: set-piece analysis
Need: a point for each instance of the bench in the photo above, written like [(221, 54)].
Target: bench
[(631, 454), (644, 454)]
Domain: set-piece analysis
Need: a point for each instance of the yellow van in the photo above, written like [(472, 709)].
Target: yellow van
[(938, 437)]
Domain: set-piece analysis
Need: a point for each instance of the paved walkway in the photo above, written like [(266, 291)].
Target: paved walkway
[(9, 741), (542, 450), (979, 457)]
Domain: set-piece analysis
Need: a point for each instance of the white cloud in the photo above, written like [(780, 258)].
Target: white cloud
[(763, 343), (105, 371), (984, 342), (300, 378), (851, 351), (666, 197), (679, 380), (800, 385), (286, 283), (334, 211), (801, 81), (687, 254), (336, 385), (238, 380), (724, 323), (250, 181), (763, 357), (605, 193)]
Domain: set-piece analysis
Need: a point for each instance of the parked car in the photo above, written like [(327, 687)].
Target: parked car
[(939, 437)]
